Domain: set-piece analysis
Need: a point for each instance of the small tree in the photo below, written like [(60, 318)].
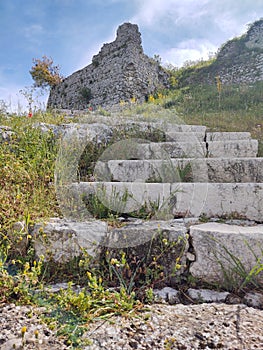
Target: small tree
[(44, 73)]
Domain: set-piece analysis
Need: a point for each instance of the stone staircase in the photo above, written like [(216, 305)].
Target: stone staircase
[(195, 175)]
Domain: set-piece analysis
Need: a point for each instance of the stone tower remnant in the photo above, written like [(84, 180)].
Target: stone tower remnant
[(119, 72)]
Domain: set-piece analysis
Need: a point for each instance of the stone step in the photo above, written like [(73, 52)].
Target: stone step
[(136, 149), (216, 244), (220, 253), (223, 200), (183, 136), (170, 127), (181, 170), (67, 238), (237, 148), (227, 136), (201, 136), (163, 150)]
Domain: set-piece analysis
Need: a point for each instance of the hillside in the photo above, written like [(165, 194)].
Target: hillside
[(238, 61)]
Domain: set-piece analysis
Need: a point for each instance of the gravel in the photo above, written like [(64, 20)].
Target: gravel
[(160, 326)]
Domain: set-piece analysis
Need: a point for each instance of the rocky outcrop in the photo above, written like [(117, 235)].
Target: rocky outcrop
[(119, 72), (239, 61)]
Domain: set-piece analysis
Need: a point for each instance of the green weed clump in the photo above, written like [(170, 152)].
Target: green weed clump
[(27, 168)]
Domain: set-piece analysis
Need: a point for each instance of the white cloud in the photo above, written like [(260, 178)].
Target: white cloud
[(191, 28), (188, 50), (151, 11)]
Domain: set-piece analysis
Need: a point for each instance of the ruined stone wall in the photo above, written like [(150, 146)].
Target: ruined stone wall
[(119, 72)]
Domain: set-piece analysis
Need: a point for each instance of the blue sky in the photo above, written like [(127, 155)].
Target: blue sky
[(72, 31)]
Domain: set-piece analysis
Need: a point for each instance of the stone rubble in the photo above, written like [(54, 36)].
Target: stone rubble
[(13, 318), (182, 327), (159, 326)]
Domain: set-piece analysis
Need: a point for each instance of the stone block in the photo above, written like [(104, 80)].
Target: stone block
[(125, 197), (167, 294), (176, 127), (183, 136), (226, 253), (254, 299), (167, 150), (61, 240), (182, 170), (227, 136), (155, 246), (139, 232), (237, 148), (224, 200), (228, 170)]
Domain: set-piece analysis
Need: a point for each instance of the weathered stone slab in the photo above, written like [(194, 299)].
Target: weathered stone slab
[(96, 132), (227, 136), (182, 170), (238, 148), (124, 197), (166, 150), (228, 170), (224, 200), (152, 244), (221, 250), (183, 136), (134, 234), (176, 127), (160, 171), (62, 240)]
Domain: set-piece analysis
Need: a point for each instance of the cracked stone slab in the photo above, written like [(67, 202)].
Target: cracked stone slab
[(183, 136), (237, 148), (212, 200), (167, 150), (216, 244), (181, 170)]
